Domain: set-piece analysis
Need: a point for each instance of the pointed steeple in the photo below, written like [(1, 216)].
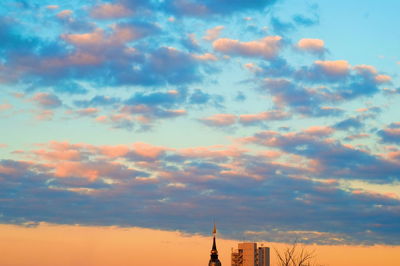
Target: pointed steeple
[(214, 261)]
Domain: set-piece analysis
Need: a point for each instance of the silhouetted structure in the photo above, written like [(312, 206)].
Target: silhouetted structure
[(248, 254), (214, 261)]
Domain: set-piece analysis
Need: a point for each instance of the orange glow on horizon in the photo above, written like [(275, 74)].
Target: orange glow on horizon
[(49, 245)]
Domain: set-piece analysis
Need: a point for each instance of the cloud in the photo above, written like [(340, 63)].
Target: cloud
[(267, 48), (314, 46), (93, 171), (391, 134), (110, 11), (220, 120), (357, 136), (5, 106), (314, 90), (155, 184), (278, 67), (98, 100), (319, 131), (251, 119), (52, 7), (44, 115), (46, 100), (172, 66), (59, 155), (330, 157), (166, 99), (205, 8), (306, 21), (141, 115), (65, 14), (281, 27), (205, 57), (349, 123), (338, 68), (90, 111), (240, 97), (285, 93), (67, 19), (103, 57), (191, 43), (213, 33), (151, 182), (259, 119), (122, 33), (144, 109), (200, 97)]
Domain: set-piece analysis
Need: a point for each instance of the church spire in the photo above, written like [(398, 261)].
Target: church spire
[(214, 261)]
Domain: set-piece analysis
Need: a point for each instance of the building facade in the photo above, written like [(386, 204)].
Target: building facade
[(247, 254), (264, 256)]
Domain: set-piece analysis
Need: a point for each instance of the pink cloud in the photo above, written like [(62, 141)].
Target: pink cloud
[(148, 150), (66, 169), (334, 68), (100, 40), (3, 145), (190, 7), (144, 114), (263, 116), (270, 154), (178, 112), (358, 136), (316, 46), (114, 151), (87, 111), (102, 119), (7, 170), (62, 151), (380, 79), (319, 131), (46, 100), (92, 170), (45, 115), (393, 155), (205, 57), (5, 106), (267, 47), (392, 132), (365, 70), (220, 120), (213, 33), (253, 67), (86, 39), (65, 14), (139, 108), (61, 155), (64, 145), (370, 71), (84, 58), (52, 7), (217, 151), (110, 11)]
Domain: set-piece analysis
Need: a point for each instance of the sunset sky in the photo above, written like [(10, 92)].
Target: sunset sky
[(278, 119)]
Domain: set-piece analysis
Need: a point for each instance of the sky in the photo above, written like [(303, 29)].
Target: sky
[(278, 119)]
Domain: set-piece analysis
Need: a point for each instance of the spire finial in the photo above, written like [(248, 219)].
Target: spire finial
[(214, 229)]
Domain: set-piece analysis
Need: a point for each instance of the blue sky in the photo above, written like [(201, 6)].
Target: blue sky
[(277, 118)]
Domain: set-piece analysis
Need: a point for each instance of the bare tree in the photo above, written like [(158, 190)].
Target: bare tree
[(296, 255)]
